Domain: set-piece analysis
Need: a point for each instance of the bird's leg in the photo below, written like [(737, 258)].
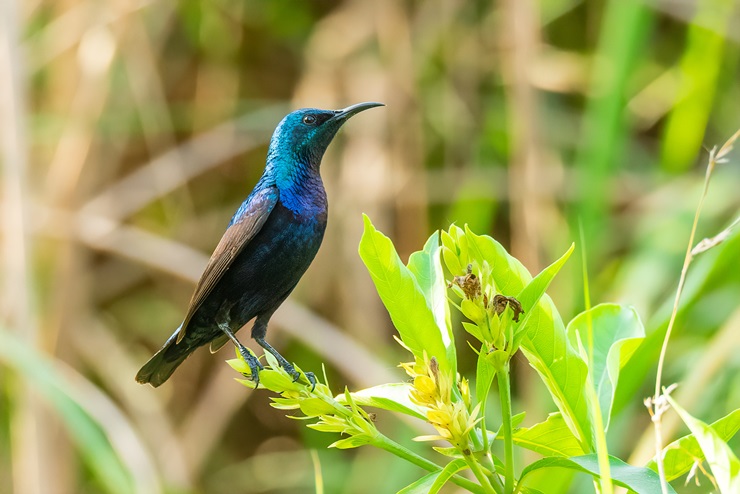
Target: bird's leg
[(259, 331), (223, 319)]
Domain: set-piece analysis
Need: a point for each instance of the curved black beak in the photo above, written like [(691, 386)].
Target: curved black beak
[(346, 113)]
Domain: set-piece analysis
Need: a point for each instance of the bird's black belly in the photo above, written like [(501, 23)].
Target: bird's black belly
[(264, 273)]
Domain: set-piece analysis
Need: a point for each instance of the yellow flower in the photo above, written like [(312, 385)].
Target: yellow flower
[(425, 385)]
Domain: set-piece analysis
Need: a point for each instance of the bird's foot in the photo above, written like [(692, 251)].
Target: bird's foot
[(312, 379), (254, 365), (287, 366), (290, 369)]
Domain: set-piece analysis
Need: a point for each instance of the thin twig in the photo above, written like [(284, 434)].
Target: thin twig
[(715, 157)]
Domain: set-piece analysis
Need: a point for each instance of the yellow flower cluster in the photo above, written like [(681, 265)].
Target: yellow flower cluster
[(432, 389)]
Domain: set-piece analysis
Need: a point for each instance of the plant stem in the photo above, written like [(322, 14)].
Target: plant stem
[(604, 485), (504, 391), (384, 443), (475, 468), (657, 412)]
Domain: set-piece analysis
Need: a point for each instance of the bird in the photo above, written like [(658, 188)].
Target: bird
[(268, 245)]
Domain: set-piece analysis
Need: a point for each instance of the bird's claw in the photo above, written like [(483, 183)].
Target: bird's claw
[(297, 375), (312, 379), (254, 365)]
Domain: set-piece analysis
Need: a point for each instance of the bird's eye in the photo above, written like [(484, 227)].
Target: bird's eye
[(309, 119)]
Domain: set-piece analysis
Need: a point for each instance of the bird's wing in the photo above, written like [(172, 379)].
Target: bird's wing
[(238, 235)]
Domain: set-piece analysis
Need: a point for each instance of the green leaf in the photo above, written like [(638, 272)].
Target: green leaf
[(426, 266), (518, 418), (530, 490), (638, 479), (277, 380), (535, 289), (351, 442), (473, 330), (393, 397), (681, 454), (404, 298), (544, 342), (551, 437), (422, 485), (446, 474), (313, 407), (723, 462), (617, 332), (484, 374), (451, 452)]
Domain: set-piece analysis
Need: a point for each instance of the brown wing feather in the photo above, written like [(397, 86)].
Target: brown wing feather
[(235, 238)]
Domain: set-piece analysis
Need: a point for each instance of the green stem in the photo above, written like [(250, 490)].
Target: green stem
[(391, 446), (475, 468), (602, 452), (482, 400), (504, 391)]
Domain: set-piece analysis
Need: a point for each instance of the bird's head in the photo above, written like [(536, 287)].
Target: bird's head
[(303, 135)]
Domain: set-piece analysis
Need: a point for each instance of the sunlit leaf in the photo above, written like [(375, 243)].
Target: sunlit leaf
[(426, 266), (638, 479), (484, 375), (681, 454), (393, 397), (313, 407), (535, 289), (447, 472), (724, 464), (350, 442), (617, 332), (422, 485), (404, 299), (548, 438), (544, 342)]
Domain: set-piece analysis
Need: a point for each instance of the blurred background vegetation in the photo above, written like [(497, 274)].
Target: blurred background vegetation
[(131, 130)]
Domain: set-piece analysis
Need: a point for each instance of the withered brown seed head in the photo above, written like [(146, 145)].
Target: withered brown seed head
[(469, 283), (501, 301), (434, 367)]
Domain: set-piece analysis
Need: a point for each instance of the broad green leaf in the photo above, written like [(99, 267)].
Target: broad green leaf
[(426, 266), (535, 289), (393, 397), (638, 479), (96, 450), (723, 462), (551, 437), (516, 421), (403, 298), (422, 485), (544, 342), (447, 472), (681, 454), (617, 332)]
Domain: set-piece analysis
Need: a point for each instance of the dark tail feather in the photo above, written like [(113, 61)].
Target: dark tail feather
[(161, 366)]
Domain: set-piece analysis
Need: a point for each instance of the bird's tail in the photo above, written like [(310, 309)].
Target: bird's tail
[(161, 366)]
